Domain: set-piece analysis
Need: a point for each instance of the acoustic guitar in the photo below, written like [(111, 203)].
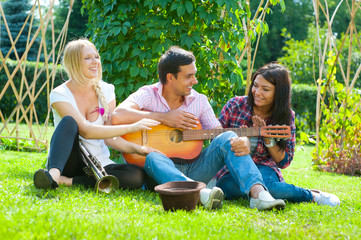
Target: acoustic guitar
[(186, 145)]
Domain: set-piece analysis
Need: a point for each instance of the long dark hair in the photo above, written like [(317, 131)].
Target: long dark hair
[(277, 75), (171, 61)]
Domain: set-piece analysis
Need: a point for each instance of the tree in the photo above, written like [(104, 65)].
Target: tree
[(131, 36), (16, 12), (299, 15), (342, 15), (296, 18), (77, 25), (77, 22)]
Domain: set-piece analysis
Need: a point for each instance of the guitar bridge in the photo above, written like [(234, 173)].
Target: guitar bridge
[(144, 138)]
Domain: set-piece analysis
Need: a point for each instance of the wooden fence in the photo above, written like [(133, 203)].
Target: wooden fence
[(26, 113)]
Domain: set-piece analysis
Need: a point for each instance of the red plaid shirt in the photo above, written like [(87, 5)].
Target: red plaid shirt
[(237, 113)]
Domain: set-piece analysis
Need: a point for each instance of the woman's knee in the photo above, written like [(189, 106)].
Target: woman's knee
[(129, 176), (68, 124)]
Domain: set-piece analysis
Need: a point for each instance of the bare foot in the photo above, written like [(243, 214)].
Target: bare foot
[(55, 174), (66, 180)]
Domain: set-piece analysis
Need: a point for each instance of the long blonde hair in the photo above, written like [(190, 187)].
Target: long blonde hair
[(72, 62)]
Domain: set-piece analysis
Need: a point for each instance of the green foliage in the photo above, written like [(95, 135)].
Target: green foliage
[(295, 18), (131, 36), (342, 18), (301, 56), (355, 57), (16, 12), (77, 21), (9, 102), (21, 145), (340, 131), (80, 213), (77, 25), (304, 104)]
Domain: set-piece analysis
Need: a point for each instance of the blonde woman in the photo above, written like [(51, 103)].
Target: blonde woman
[(81, 107)]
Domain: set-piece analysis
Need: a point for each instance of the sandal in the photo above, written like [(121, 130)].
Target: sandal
[(43, 180)]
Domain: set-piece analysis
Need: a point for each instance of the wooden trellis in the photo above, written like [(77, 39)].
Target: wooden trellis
[(321, 9), (26, 91)]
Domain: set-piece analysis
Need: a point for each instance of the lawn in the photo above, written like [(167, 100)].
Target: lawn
[(78, 213)]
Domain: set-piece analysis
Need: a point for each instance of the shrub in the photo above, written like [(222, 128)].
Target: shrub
[(132, 35), (340, 131)]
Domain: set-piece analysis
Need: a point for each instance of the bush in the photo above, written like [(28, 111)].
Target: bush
[(304, 98), (132, 35), (340, 131), (9, 102)]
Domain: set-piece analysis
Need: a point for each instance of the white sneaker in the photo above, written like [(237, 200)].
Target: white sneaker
[(266, 202), (324, 198), (212, 198)]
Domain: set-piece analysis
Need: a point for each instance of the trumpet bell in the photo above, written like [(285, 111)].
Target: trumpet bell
[(107, 184)]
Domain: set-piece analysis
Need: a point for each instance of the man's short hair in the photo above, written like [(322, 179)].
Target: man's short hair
[(171, 61)]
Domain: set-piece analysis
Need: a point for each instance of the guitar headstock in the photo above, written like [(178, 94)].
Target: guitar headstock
[(276, 131)]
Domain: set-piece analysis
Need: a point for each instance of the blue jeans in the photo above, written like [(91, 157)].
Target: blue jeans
[(243, 170), (279, 190)]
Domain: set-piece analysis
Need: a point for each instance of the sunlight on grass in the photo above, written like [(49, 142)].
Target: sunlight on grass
[(23, 130), (20, 138), (79, 213)]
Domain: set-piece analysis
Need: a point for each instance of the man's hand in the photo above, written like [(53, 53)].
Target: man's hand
[(180, 119), (240, 146)]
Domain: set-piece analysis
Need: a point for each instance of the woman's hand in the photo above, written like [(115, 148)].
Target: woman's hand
[(144, 150), (258, 122), (143, 124)]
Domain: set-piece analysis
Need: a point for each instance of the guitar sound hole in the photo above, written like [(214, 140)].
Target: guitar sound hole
[(176, 136)]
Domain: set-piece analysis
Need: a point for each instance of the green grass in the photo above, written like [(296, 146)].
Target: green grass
[(78, 213)]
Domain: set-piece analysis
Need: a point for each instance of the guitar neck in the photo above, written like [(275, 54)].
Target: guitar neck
[(204, 134)]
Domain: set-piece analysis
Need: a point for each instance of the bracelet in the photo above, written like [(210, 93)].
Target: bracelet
[(272, 142)]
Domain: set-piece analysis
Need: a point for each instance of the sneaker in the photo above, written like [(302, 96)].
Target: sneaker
[(266, 202), (323, 198), (212, 198)]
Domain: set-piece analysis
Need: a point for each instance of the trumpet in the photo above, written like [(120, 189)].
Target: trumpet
[(105, 183)]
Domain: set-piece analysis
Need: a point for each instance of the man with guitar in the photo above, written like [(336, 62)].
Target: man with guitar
[(174, 103)]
